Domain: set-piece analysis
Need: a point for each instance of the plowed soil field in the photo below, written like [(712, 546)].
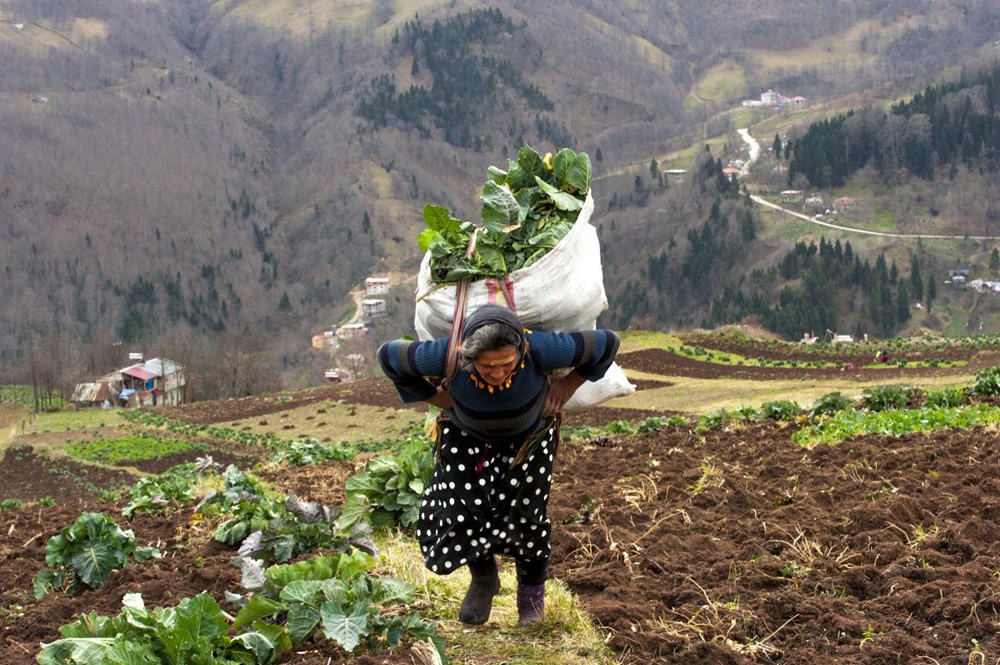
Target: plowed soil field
[(732, 546)]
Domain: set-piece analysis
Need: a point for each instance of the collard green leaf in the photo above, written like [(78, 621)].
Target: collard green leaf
[(90, 625), (425, 239), (563, 201), (259, 645), (232, 531), (530, 164), (252, 572), (565, 178), (94, 562), (440, 219), (355, 509), (258, 608), (302, 621), (79, 650), (141, 554), (493, 259), (390, 589), (345, 629), (500, 207), (47, 581), (494, 174), (191, 631)]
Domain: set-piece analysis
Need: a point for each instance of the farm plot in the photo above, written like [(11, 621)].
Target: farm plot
[(742, 546), (686, 545)]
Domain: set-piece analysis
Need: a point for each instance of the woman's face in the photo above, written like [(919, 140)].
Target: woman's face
[(495, 366)]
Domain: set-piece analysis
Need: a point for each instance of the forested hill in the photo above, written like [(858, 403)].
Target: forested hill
[(945, 132), (943, 126), (206, 178)]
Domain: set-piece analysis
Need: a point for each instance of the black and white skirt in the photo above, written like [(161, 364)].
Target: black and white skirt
[(487, 499)]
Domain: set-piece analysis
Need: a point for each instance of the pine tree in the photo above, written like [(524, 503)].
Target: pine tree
[(931, 292), (995, 262), (776, 147), (916, 282)]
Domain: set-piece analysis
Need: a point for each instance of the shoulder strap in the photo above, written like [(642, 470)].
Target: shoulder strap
[(458, 318)]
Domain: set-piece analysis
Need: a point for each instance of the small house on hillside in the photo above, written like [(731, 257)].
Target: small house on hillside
[(352, 330), (373, 309), (376, 286), (153, 382), (96, 393), (844, 203), (731, 172), (815, 203), (793, 196)]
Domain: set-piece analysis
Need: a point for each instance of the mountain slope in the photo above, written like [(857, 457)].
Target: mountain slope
[(184, 164)]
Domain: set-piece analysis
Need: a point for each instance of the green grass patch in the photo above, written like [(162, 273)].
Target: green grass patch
[(62, 421), (884, 220), (845, 424), (724, 82), (131, 449), (565, 636)]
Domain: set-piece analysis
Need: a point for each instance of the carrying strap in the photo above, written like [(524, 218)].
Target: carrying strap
[(458, 316)]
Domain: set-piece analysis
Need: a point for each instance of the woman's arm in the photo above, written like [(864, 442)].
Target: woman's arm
[(408, 364)]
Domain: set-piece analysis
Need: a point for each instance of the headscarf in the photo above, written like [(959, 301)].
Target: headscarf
[(490, 313)]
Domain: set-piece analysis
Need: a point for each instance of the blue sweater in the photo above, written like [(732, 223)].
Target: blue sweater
[(503, 415)]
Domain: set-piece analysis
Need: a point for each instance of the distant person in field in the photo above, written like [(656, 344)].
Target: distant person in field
[(883, 356), (496, 441)]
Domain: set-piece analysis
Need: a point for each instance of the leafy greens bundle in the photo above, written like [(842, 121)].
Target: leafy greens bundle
[(526, 211)]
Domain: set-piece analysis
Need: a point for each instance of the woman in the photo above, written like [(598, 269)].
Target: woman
[(496, 442)]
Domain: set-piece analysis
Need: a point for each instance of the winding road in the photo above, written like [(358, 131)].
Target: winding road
[(754, 148)]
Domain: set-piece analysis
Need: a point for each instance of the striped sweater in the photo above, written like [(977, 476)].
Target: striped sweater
[(503, 415)]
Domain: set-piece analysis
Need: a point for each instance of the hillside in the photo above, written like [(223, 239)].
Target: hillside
[(189, 176)]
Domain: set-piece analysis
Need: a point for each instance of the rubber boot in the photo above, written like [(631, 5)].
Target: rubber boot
[(530, 603), (478, 599)]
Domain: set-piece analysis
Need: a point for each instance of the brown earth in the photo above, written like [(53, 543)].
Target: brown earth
[(727, 547)]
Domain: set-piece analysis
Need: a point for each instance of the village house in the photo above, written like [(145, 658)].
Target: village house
[(793, 196), (155, 382), (675, 175), (373, 308), (815, 202), (376, 286), (777, 100), (844, 203), (352, 330)]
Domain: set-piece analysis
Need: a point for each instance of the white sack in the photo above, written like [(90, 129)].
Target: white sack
[(562, 291)]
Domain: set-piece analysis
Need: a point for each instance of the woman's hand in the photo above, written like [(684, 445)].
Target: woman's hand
[(442, 399), (560, 390)]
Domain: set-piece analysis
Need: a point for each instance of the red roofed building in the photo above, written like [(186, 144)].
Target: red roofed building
[(844, 203)]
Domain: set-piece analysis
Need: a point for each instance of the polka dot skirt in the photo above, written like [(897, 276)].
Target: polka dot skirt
[(478, 505)]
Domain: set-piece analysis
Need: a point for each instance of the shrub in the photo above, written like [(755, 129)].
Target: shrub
[(946, 397), (85, 553), (709, 421), (618, 427), (987, 382), (831, 403), (781, 409), (390, 489), (884, 398)]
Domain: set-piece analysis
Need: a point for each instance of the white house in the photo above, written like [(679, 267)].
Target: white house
[(376, 286), (373, 309)]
